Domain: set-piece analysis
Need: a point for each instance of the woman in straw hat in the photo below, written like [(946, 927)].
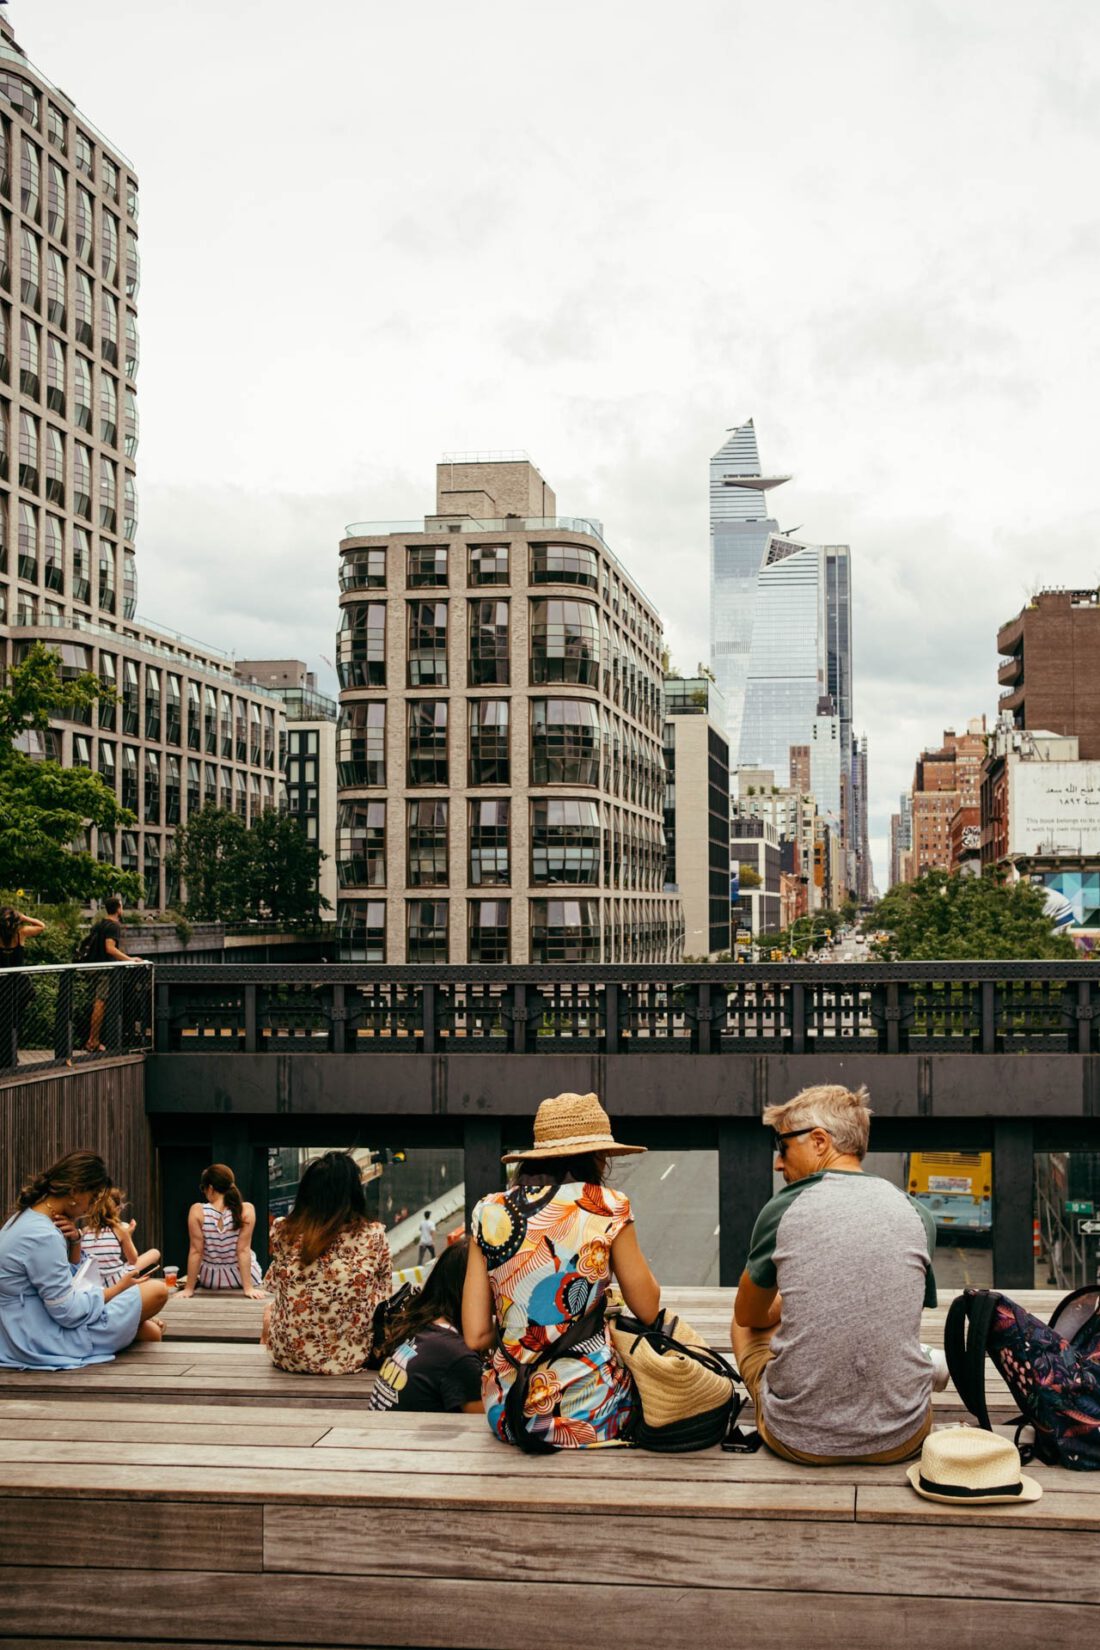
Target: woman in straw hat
[(541, 1262)]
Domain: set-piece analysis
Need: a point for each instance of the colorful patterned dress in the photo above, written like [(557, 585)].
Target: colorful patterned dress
[(322, 1315), (548, 1250)]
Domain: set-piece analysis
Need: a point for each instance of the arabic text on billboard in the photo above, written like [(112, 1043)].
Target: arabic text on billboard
[(1055, 808)]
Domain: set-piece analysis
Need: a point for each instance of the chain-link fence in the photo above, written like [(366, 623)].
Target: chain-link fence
[(59, 1016)]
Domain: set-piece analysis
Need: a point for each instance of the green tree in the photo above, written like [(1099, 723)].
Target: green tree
[(941, 917), (284, 866), (210, 855), (46, 807)]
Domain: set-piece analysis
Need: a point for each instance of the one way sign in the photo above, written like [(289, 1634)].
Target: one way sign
[(1089, 1228)]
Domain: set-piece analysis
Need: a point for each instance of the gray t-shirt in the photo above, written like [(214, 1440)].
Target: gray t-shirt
[(852, 1257)]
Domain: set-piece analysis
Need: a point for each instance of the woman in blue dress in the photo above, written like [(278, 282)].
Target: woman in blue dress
[(46, 1322)]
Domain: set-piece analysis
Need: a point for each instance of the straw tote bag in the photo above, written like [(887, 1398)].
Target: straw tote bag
[(687, 1394)]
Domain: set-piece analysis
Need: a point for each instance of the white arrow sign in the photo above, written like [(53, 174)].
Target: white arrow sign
[(1089, 1228)]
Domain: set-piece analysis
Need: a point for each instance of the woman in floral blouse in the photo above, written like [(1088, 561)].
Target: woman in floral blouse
[(329, 1269)]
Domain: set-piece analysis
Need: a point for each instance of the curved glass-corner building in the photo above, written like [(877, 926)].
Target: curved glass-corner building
[(499, 759)]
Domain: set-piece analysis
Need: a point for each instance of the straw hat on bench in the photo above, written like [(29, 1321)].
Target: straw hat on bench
[(962, 1466), (570, 1125)]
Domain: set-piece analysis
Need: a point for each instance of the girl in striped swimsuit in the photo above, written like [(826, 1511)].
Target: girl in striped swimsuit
[(220, 1230), (109, 1239)]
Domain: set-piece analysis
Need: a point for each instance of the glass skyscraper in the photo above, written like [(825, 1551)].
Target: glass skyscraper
[(786, 666)]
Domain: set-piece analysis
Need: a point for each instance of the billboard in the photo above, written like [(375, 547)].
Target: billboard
[(1054, 807)]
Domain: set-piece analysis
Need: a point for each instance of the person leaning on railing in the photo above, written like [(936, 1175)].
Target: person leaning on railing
[(15, 992), (49, 1318), (104, 945)]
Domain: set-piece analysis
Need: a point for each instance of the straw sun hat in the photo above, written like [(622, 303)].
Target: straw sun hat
[(965, 1465), (571, 1124)]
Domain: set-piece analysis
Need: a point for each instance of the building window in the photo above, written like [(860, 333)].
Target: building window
[(55, 465), (82, 751), (108, 248), (129, 513), (109, 173), (363, 570), (108, 493), (5, 449), (55, 125), (133, 353), (82, 154), (107, 763), (82, 565), (108, 409), (82, 397), (152, 872), (152, 703), (565, 742), (53, 544), (130, 698), (194, 787), (361, 844), (28, 358), (133, 265), (225, 725), (361, 645), (564, 564), (108, 327), (427, 657), (130, 777), (427, 844), (565, 840), (488, 644), (489, 931), (490, 761), (30, 174), (173, 711), (84, 317), (194, 717), (82, 219), (427, 752), (131, 426), (28, 542), (56, 310), (362, 926), (28, 452), (565, 930), (361, 744), (108, 676), (21, 95), (565, 641), (152, 788), (426, 567), (210, 786), (489, 564), (210, 721), (426, 930), (488, 842), (132, 203)]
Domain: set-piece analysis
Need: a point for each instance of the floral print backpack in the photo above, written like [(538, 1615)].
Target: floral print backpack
[(1052, 1370)]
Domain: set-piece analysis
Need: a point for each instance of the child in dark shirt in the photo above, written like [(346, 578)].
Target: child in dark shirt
[(426, 1365)]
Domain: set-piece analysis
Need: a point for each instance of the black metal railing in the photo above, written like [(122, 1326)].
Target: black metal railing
[(978, 1008), (54, 1017)]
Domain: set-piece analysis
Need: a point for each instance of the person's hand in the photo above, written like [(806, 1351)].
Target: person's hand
[(254, 1294), (69, 1231), (132, 1226)]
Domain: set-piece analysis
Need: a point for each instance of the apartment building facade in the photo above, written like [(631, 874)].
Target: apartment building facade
[(697, 812)]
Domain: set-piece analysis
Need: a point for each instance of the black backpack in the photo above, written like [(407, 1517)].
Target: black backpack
[(1052, 1370), (89, 948)]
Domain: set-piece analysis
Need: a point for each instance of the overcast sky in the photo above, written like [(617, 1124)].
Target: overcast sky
[(604, 232)]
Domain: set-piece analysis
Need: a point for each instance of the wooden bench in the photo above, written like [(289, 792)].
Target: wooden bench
[(289, 1519)]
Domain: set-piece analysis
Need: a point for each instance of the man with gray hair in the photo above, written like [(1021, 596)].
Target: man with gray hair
[(826, 1324)]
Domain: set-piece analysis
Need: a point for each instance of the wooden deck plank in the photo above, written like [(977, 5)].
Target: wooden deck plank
[(110, 1535), (498, 1615), (1062, 1506)]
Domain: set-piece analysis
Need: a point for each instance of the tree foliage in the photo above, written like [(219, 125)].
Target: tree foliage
[(237, 873), (943, 917), (46, 807)]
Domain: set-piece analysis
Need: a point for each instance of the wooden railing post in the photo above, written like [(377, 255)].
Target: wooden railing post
[(744, 1186), (1013, 1204)]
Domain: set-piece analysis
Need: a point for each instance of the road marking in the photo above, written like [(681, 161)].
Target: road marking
[(668, 1171), (717, 1229)]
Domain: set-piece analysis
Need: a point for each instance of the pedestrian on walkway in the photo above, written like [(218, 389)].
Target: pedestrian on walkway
[(426, 1250)]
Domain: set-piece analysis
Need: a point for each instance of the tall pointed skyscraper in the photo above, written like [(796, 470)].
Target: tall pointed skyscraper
[(739, 531)]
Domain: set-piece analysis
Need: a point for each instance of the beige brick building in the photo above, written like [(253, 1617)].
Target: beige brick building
[(500, 768)]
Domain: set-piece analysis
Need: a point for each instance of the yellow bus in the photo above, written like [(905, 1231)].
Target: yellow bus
[(957, 1187)]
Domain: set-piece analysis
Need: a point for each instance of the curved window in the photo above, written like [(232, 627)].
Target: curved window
[(82, 154), (129, 584), (488, 833), (107, 586), (28, 452), (55, 465), (361, 646), (565, 641), (130, 777), (564, 564), (363, 570), (426, 930), (565, 840), (133, 265), (210, 786), (55, 125), (5, 251), (361, 744), (5, 448), (28, 542), (82, 480), (109, 176), (28, 358), (490, 762), (5, 155), (152, 788), (487, 627), (108, 409), (489, 930), (152, 702), (20, 94), (426, 762), (225, 725), (173, 710), (489, 564), (83, 307), (5, 341), (132, 200), (53, 555), (130, 426), (194, 717), (565, 742), (108, 321), (362, 925), (56, 310), (427, 655), (133, 354), (255, 734), (129, 499), (210, 722), (82, 565), (152, 872), (131, 703), (83, 219), (30, 178), (82, 393), (55, 202), (194, 787), (108, 676), (426, 566), (108, 493), (565, 930), (426, 853), (171, 790), (107, 762), (108, 247), (30, 268), (55, 375)]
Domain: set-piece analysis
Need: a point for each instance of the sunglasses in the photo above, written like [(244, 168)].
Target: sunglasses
[(791, 1134)]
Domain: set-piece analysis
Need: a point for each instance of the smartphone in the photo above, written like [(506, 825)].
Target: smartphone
[(741, 1442)]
